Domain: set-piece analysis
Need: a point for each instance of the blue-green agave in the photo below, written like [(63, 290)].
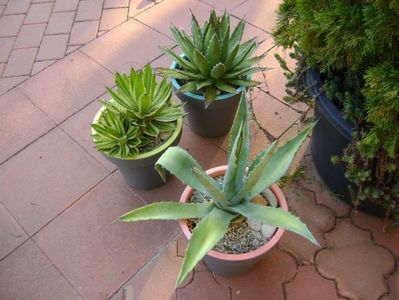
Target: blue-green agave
[(140, 113), (232, 198), (214, 59)]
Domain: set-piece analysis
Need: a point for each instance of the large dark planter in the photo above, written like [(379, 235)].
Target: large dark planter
[(216, 119), (234, 264), (139, 172), (330, 137)]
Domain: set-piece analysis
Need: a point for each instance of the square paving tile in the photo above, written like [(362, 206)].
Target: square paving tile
[(20, 62), (45, 178), (89, 10), (9, 25), (30, 36), (273, 115), (38, 13), (112, 17), (56, 90), (83, 32), (96, 254), (40, 65), (130, 44), (138, 6), (11, 234), (157, 280), (78, 127), (6, 45), (53, 47), (17, 7), (29, 274), (224, 4), (176, 12), (7, 83), (116, 3), (65, 5), (60, 22), (259, 13), (21, 123)]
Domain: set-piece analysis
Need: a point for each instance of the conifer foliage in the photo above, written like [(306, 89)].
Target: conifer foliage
[(355, 45)]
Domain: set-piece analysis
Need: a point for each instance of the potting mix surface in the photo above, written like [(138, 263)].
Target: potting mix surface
[(59, 197)]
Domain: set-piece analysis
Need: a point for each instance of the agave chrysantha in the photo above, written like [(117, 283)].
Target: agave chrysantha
[(231, 199), (139, 114), (214, 61)]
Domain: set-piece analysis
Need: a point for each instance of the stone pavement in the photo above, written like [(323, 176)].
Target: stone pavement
[(59, 196), (36, 33)]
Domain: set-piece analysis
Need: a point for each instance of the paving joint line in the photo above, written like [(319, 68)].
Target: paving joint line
[(78, 198), (157, 254), (58, 270)]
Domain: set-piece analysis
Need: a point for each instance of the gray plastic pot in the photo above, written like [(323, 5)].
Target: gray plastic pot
[(213, 121), (139, 172), (234, 264)]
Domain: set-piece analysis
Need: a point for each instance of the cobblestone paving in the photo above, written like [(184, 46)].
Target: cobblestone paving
[(59, 196)]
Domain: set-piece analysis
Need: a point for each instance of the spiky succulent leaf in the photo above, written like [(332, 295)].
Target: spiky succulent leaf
[(201, 62), (204, 236), (213, 188), (275, 217), (181, 164), (220, 61), (116, 137), (222, 86), (136, 113), (238, 151), (240, 185), (218, 71), (271, 168), (168, 211)]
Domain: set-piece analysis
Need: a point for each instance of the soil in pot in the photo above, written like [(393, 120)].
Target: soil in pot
[(242, 236)]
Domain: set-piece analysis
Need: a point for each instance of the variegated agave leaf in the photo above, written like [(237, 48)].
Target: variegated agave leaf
[(141, 111)]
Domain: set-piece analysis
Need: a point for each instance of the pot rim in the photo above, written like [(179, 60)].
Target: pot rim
[(165, 145), (313, 82), (244, 256), (177, 86)]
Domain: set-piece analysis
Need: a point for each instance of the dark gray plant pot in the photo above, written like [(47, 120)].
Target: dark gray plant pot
[(330, 137), (140, 173), (213, 121)]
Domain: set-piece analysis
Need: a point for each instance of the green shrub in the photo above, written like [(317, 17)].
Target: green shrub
[(355, 45)]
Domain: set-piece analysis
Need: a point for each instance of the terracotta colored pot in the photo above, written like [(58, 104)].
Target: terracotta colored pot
[(234, 264)]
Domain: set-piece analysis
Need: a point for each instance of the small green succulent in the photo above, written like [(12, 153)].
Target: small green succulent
[(140, 114), (213, 60), (232, 198)]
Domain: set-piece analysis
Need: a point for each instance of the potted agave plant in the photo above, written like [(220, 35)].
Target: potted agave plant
[(228, 201), (348, 69), (137, 125), (212, 72)]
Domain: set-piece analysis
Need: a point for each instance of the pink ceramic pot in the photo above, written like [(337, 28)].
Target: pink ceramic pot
[(234, 264)]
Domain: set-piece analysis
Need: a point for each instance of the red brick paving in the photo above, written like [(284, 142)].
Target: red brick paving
[(57, 191)]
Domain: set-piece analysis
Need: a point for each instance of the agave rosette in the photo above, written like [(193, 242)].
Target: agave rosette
[(214, 61), (232, 198)]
